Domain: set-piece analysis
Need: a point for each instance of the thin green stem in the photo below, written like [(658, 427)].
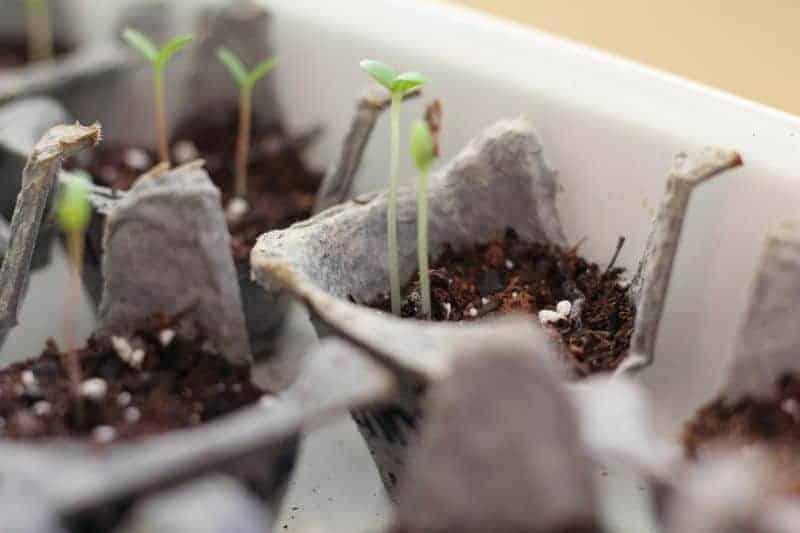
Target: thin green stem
[(422, 242), (40, 32), (75, 246), (391, 212), (161, 116), (243, 141)]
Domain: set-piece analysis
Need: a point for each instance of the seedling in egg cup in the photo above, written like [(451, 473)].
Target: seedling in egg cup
[(158, 59), (245, 80), (398, 85), (502, 180)]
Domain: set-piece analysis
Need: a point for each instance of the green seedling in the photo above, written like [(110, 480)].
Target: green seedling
[(398, 85), (158, 59), (40, 32), (245, 80), (73, 213), (423, 152)]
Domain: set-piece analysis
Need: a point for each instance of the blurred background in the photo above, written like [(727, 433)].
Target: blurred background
[(747, 47)]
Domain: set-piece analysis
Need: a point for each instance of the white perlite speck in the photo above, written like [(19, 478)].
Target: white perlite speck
[(472, 312), (94, 388), (184, 151), (104, 434), (546, 317), (165, 337), (137, 158), (125, 351), (266, 401), (624, 284), (237, 207), (132, 414), (509, 264), (791, 406), (42, 408), (448, 308), (563, 308), (29, 381), (123, 398)]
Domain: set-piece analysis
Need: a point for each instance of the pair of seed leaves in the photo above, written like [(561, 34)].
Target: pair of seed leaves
[(159, 57), (423, 148)]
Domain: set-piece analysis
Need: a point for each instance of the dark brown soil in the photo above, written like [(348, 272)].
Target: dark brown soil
[(14, 52), (507, 275), (775, 422), (179, 385), (281, 187)]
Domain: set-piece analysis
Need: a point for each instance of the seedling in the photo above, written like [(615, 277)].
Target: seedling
[(73, 213), (398, 85), (158, 59), (40, 32), (423, 151), (245, 80)]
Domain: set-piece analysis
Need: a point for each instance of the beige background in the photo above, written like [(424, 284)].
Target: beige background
[(748, 47)]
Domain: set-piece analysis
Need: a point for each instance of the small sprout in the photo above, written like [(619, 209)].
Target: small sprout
[(40, 32), (398, 85), (158, 59), (423, 151), (73, 213), (245, 80)]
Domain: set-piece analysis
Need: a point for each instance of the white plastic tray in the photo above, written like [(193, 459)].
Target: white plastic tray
[(609, 125)]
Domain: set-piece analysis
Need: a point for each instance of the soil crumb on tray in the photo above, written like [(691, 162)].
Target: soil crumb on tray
[(721, 425), (281, 186), (507, 275), (14, 52), (162, 378)]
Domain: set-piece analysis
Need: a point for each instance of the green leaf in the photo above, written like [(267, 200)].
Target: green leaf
[(139, 42), (235, 66), (408, 81), (171, 48), (262, 69), (380, 72), (423, 147), (72, 206)]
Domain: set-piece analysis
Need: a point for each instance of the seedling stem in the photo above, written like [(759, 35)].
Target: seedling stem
[(423, 151), (73, 212), (40, 32), (391, 212)]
